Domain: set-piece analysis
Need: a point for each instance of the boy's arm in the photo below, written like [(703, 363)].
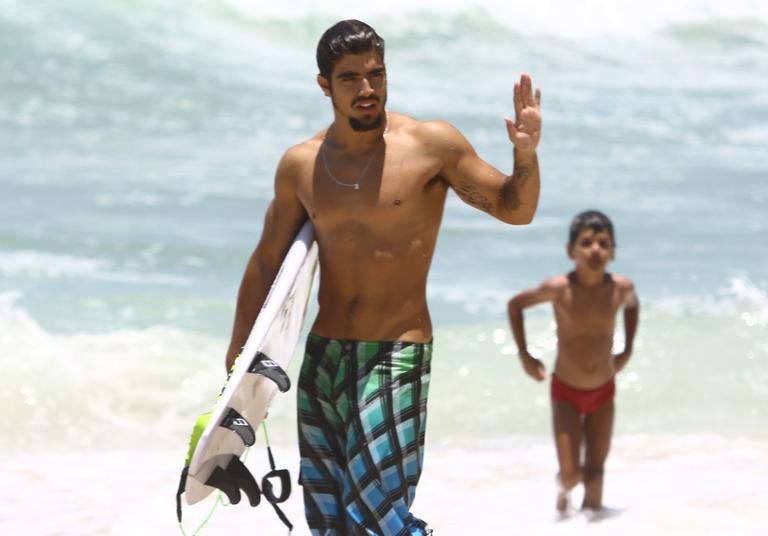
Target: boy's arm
[(282, 221), (631, 319), (528, 298)]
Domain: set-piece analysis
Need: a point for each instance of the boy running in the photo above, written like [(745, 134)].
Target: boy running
[(585, 303)]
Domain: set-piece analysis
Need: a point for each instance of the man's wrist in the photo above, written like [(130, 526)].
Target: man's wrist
[(525, 155)]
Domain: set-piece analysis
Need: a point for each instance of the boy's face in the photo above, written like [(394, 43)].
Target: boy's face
[(592, 250)]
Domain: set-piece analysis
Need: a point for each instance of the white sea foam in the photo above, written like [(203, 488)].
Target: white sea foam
[(739, 298), (89, 390), (755, 301), (665, 485), (550, 17)]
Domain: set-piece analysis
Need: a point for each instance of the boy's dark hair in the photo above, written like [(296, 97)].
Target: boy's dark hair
[(592, 219), (346, 37)]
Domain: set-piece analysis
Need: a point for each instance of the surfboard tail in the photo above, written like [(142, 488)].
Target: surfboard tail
[(229, 475)]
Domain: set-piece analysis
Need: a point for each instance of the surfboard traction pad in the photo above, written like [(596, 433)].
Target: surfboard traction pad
[(227, 472)]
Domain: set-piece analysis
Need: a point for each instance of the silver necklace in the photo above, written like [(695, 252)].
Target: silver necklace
[(354, 185)]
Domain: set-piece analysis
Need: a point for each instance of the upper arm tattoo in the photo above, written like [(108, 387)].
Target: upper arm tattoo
[(471, 195)]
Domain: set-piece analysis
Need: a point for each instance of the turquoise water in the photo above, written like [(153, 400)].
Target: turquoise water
[(139, 141)]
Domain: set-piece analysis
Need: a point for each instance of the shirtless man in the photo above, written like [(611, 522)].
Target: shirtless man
[(374, 185), (585, 302)]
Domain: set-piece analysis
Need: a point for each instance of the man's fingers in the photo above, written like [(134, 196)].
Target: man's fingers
[(526, 90), (511, 129), (525, 96)]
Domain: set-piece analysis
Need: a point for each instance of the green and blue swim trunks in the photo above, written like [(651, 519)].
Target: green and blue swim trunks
[(362, 410)]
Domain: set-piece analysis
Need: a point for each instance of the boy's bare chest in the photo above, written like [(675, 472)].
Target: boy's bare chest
[(587, 306)]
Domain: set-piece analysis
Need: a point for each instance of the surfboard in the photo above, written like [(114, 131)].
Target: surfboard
[(221, 435)]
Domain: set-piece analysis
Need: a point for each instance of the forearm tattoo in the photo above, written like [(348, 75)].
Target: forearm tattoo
[(511, 192), (510, 196), (470, 195)]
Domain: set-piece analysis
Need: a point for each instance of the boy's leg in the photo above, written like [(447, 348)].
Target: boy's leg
[(598, 428), (566, 424)]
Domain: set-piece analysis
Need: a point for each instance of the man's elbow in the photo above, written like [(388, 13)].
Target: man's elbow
[(524, 218), (519, 216)]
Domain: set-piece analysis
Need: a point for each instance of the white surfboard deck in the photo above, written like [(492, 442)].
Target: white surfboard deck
[(275, 333)]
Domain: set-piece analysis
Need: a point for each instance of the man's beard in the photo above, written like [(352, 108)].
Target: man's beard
[(360, 125)]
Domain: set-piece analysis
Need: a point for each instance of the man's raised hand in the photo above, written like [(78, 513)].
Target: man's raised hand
[(525, 131)]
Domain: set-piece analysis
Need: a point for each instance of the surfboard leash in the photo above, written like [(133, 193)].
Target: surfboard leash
[(285, 483), (268, 489), (218, 501)]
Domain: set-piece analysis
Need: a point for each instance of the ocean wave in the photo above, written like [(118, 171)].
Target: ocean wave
[(81, 389), (721, 34), (43, 265), (206, 28), (37, 264), (740, 298), (560, 17)]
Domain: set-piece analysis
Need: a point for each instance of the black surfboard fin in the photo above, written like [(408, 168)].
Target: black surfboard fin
[(234, 478), (220, 480), (238, 424), (244, 480), (263, 365)]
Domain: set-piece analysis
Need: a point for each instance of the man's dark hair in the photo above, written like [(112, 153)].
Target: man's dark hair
[(346, 37), (590, 219)]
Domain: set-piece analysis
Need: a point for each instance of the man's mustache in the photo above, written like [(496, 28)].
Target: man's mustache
[(371, 98)]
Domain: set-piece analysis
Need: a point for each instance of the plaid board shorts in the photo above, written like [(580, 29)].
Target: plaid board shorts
[(362, 409)]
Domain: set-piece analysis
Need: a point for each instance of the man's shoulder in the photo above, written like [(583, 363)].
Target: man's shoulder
[(432, 129), (302, 152), (427, 130)]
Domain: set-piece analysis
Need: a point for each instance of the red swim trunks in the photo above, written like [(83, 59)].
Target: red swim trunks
[(585, 401)]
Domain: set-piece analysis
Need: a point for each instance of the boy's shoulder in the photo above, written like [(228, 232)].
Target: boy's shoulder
[(623, 282), (626, 289), (556, 283)]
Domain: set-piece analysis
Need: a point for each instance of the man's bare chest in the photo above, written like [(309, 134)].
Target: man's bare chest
[(396, 185)]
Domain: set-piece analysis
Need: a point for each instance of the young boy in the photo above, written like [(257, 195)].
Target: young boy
[(585, 303)]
